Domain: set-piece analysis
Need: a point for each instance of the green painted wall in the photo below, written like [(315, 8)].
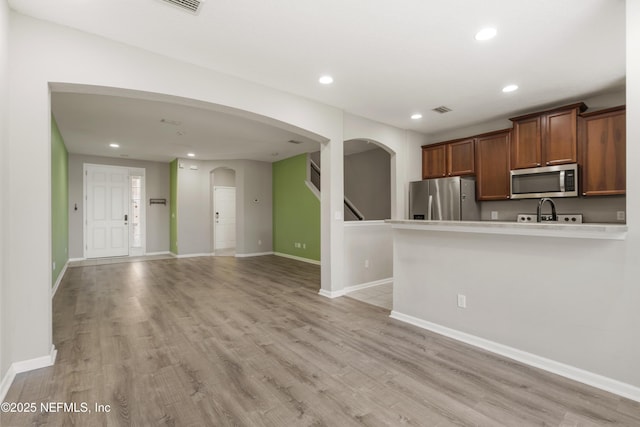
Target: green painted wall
[(59, 202), (173, 207), (296, 210)]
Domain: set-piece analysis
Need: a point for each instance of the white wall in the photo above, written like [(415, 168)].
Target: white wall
[(44, 54), (223, 177), (253, 206), (157, 186), (4, 140), (374, 241), (371, 242), (574, 301)]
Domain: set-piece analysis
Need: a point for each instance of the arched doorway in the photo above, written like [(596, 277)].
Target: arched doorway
[(367, 181)]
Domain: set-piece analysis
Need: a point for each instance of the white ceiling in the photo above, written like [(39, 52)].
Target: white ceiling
[(389, 59), (161, 131)]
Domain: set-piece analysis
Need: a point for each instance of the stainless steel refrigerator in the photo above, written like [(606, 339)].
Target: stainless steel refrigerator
[(444, 199)]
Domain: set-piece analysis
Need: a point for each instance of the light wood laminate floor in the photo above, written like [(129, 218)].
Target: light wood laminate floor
[(219, 341)]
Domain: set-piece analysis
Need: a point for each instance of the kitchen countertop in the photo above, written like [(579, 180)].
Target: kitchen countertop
[(579, 231)]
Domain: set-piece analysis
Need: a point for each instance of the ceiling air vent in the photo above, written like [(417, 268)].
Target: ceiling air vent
[(442, 109), (293, 141), (191, 6)]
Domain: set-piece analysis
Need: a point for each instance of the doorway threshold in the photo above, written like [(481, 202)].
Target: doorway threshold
[(117, 260)]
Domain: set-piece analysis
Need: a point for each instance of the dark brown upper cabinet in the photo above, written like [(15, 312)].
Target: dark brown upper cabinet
[(492, 159), (603, 152), (452, 158), (434, 162), (546, 138)]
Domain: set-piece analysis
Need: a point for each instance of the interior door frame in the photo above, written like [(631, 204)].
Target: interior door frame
[(213, 215), (130, 171)]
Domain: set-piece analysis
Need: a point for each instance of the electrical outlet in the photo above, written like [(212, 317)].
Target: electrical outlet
[(54, 265), (304, 246), (462, 301), (620, 216), (259, 242), (494, 214), (366, 263)]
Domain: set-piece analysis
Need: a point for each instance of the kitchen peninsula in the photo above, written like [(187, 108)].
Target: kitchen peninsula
[(543, 294), (584, 231)]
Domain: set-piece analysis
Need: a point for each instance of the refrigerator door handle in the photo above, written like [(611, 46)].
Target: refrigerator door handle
[(430, 208)]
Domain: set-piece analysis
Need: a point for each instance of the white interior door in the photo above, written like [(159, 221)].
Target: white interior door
[(224, 217), (106, 211)]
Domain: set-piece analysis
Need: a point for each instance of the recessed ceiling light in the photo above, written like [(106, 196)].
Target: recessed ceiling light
[(416, 116), (510, 88), (114, 145), (486, 34), (191, 154), (326, 80)]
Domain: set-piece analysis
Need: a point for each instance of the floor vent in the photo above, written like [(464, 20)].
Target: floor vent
[(442, 109), (191, 6)]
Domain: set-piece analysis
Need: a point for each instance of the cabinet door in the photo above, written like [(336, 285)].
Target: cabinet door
[(604, 156), (492, 165), (433, 162), (526, 145), (461, 158), (560, 139)]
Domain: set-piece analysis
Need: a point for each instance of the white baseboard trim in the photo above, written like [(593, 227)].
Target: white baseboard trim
[(310, 261), (331, 294), (192, 255), (158, 253), (37, 363), (345, 291), (24, 366), (354, 288), (253, 254), (76, 259), (595, 380), (59, 279), (6, 382)]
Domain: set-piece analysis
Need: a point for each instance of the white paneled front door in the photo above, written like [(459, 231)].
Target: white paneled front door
[(106, 211), (224, 217)]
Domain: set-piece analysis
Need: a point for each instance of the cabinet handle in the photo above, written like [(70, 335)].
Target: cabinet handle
[(538, 164)]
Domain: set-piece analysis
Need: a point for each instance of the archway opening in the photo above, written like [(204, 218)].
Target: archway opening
[(367, 180)]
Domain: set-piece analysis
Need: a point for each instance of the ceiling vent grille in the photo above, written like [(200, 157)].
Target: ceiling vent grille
[(293, 141), (191, 6), (442, 109)]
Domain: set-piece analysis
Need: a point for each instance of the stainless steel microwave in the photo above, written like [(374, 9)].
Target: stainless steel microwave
[(547, 181)]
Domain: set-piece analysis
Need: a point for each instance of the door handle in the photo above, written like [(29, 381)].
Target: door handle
[(126, 217)]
